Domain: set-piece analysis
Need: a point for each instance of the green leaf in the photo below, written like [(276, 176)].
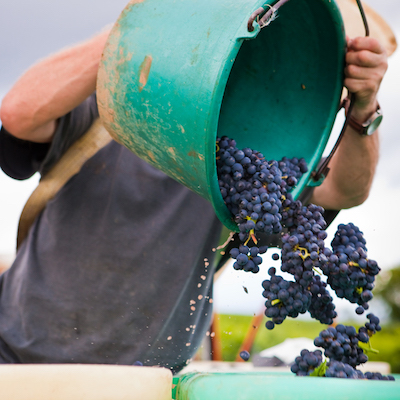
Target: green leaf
[(367, 348), (320, 370)]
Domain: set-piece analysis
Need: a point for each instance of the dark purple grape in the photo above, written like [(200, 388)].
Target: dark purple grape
[(244, 355)]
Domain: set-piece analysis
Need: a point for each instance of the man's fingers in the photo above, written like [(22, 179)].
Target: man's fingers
[(365, 58), (366, 64), (361, 72), (366, 43)]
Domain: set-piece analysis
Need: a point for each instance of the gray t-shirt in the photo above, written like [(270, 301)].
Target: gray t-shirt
[(116, 269)]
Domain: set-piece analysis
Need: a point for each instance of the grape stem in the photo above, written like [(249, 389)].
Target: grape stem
[(303, 252), (317, 271), (230, 238)]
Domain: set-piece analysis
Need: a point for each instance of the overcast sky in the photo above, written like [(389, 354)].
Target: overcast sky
[(31, 29)]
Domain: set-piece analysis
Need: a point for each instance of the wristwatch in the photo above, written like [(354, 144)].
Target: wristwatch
[(368, 127)]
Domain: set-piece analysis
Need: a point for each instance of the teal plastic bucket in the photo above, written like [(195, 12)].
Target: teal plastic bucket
[(175, 74)]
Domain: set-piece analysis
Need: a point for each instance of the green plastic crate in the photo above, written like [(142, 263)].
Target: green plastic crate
[(279, 386)]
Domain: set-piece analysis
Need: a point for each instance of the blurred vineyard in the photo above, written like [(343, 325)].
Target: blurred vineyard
[(233, 329)]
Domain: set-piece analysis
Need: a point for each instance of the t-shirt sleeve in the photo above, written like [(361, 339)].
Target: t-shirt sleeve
[(20, 159)]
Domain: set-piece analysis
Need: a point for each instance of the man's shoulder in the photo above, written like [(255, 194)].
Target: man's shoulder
[(20, 159)]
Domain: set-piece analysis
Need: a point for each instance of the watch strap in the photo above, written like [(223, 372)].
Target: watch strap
[(359, 127)]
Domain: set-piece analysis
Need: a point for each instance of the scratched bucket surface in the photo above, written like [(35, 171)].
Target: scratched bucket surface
[(175, 74)]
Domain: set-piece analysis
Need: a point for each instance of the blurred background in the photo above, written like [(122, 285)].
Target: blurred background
[(30, 30)]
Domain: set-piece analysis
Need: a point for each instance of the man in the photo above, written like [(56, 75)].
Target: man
[(117, 268)]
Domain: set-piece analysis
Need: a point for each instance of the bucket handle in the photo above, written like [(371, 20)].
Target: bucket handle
[(348, 103), (269, 15), (318, 176)]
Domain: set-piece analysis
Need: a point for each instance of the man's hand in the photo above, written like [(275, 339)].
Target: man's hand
[(366, 65)]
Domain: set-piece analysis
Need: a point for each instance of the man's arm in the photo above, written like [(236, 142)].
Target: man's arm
[(51, 89), (352, 167)]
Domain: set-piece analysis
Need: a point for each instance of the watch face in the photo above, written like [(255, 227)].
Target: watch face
[(373, 126)]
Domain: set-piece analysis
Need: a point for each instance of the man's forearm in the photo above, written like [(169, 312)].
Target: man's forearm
[(352, 170), (50, 89)]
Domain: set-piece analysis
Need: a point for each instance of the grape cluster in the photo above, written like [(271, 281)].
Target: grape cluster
[(370, 328), (342, 351), (254, 188), (337, 369), (341, 344), (321, 307), (293, 169), (284, 299), (378, 376), (303, 251), (349, 272), (257, 193), (307, 362), (247, 258), (303, 246)]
